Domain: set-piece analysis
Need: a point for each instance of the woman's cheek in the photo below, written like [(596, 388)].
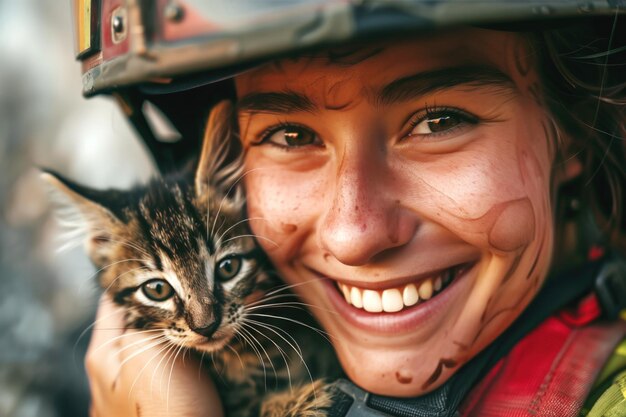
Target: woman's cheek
[(282, 207), (483, 203)]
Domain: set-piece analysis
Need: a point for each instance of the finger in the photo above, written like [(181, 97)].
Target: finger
[(102, 358), (109, 321)]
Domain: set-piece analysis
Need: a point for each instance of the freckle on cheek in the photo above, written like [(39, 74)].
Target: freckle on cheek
[(404, 377), (514, 227)]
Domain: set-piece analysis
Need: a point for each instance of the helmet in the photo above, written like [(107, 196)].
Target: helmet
[(168, 61)]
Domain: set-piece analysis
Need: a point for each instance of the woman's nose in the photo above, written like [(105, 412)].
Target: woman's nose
[(363, 217)]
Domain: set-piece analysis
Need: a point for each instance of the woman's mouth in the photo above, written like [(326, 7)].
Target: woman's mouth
[(404, 306), (393, 300)]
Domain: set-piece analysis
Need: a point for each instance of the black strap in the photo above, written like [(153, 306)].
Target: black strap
[(606, 276)]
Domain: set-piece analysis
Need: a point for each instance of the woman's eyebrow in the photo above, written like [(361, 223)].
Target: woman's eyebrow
[(403, 89), (283, 102), (418, 85)]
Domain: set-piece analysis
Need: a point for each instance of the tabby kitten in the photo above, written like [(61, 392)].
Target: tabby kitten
[(178, 256)]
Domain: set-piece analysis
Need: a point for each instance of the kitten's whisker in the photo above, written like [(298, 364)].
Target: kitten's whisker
[(264, 324), (116, 338), (200, 364), (143, 368), (290, 286), (235, 225), (143, 349), (220, 370), (184, 354), (280, 350), (269, 359), (132, 246), (237, 354), (169, 346), (219, 209), (170, 355), (89, 327), (90, 278), (322, 333), (169, 380), (135, 354), (121, 275), (297, 350), (140, 341), (291, 304), (250, 339), (111, 328), (254, 236), (208, 214), (261, 302)]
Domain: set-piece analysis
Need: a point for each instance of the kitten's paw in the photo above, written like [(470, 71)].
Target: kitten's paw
[(310, 400)]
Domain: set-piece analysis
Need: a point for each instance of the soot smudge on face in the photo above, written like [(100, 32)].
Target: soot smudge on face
[(523, 59), (340, 92), (289, 227), (404, 377), (513, 226)]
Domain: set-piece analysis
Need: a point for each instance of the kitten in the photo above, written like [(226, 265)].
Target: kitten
[(178, 256)]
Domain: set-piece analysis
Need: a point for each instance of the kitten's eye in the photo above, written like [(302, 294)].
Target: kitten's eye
[(157, 290), (227, 268)]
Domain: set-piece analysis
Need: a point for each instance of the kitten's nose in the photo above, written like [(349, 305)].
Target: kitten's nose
[(207, 331)]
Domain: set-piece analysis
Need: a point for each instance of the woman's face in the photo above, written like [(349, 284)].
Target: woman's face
[(405, 190)]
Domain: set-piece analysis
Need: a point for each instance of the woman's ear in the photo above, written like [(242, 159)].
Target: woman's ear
[(221, 160), (83, 211)]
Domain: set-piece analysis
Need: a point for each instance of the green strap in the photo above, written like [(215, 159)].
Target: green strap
[(608, 394)]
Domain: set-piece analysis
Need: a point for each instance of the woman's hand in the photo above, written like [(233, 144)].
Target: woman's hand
[(130, 375)]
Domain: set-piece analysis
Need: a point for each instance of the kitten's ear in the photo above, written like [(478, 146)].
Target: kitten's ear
[(221, 159), (82, 210)]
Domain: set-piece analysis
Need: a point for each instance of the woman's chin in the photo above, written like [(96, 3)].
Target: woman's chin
[(394, 374)]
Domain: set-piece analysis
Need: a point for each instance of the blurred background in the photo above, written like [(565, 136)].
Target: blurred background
[(48, 297)]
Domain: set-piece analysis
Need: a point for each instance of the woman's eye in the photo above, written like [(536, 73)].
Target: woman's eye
[(440, 122), (292, 137), (228, 268), (157, 290)]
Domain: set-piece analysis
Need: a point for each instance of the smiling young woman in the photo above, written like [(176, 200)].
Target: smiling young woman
[(416, 196), (421, 192)]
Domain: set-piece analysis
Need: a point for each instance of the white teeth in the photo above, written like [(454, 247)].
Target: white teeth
[(395, 299), (409, 295), (426, 290), (372, 302), (346, 293), (438, 283), (355, 296), (392, 300)]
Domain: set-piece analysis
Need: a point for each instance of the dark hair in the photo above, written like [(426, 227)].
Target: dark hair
[(583, 71)]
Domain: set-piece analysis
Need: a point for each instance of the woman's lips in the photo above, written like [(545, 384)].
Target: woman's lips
[(401, 308)]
